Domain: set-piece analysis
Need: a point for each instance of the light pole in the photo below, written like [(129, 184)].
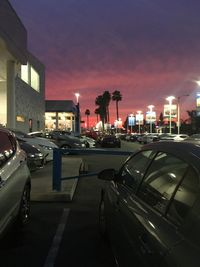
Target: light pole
[(139, 112), (150, 111), (77, 123), (170, 98), (178, 112), (131, 121), (77, 97)]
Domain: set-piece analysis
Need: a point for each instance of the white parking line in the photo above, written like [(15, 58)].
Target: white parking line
[(50, 260)]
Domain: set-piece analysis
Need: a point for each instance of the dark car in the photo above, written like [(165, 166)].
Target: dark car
[(35, 158), (64, 139), (110, 141), (150, 208)]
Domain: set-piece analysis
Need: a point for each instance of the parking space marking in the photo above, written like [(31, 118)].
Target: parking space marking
[(51, 257)]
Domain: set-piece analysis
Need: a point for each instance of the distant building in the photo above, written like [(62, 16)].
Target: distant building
[(63, 115), (22, 76)]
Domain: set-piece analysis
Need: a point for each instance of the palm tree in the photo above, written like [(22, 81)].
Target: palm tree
[(87, 113), (102, 111), (116, 96), (106, 101), (97, 112)]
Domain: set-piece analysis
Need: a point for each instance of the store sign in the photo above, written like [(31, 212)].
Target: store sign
[(198, 104), (139, 119), (20, 118), (167, 111), (131, 121), (150, 116)]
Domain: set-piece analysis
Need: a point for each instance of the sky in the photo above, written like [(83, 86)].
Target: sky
[(146, 49)]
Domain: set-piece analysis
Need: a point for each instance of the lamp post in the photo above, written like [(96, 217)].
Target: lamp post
[(178, 111), (170, 98), (139, 112), (77, 122), (150, 111), (77, 97), (131, 121)]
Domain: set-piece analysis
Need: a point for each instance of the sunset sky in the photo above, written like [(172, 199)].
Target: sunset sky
[(146, 49)]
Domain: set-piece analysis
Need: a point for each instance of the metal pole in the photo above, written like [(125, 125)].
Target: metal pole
[(170, 117), (178, 114)]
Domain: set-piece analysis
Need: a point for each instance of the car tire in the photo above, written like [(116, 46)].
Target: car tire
[(102, 221), (23, 217)]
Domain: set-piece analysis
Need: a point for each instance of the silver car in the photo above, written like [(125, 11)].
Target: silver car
[(15, 182)]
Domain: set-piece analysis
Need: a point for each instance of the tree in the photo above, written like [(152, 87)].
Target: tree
[(87, 113), (97, 112), (106, 102), (102, 110), (116, 96)]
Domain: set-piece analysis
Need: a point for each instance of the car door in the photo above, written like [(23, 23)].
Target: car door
[(13, 173), (147, 222), (129, 178)]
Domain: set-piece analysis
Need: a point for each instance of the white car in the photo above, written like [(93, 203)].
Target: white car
[(173, 137), (43, 144), (89, 142), (15, 183)]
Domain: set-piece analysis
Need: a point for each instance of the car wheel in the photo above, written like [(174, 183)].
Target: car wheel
[(102, 220), (24, 210), (65, 147)]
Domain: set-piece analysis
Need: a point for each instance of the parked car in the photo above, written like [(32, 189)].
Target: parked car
[(35, 158), (65, 140), (150, 207), (15, 183), (110, 141), (89, 142), (174, 137), (43, 144), (194, 138), (149, 138)]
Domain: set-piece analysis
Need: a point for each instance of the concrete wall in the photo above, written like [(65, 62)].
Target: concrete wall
[(30, 105), (12, 31)]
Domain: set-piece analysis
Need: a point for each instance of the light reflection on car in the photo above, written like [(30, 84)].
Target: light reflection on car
[(150, 208)]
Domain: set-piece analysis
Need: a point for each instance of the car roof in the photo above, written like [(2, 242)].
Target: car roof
[(184, 150)]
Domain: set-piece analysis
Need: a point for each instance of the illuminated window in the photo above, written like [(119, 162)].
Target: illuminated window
[(24, 73), (30, 76), (35, 79)]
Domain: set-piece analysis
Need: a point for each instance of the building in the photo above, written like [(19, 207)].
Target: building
[(63, 115), (22, 76)]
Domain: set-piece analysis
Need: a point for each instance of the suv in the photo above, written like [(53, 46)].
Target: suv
[(15, 184)]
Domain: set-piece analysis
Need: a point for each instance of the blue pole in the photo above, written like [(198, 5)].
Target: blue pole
[(57, 163)]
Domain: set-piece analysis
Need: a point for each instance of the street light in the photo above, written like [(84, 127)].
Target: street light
[(139, 112), (150, 111), (170, 98), (131, 122), (77, 122), (77, 97), (178, 111)]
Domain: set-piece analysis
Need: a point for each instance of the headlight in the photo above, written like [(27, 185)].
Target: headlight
[(46, 147), (31, 155)]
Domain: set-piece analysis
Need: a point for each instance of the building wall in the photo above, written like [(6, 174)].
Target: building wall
[(19, 102), (29, 105), (12, 31)]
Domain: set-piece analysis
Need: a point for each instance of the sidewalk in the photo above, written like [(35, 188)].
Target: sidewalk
[(42, 181)]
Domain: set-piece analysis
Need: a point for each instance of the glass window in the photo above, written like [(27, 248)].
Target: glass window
[(133, 171), (24, 73), (6, 148), (185, 197), (35, 81), (161, 180)]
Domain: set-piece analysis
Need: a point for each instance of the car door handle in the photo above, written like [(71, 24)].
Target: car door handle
[(144, 244)]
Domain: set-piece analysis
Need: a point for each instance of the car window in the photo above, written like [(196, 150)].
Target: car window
[(6, 148), (161, 180), (185, 197), (133, 171)]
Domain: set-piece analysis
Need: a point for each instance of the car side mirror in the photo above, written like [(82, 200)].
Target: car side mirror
[(107, 174)]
